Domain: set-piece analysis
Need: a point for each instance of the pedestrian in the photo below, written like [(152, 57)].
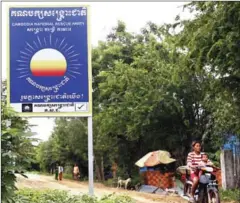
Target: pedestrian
[(60, 172), (76, 172), (56, 172)]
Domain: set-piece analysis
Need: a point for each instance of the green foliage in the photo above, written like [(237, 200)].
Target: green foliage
[(38, 196), (57, 196), (68, 145), (230, 195), (149, 104), (212, 41), (136, 180), (17, 151), (68, 176)]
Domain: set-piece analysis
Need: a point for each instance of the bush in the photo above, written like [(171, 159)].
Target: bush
[(57, 196), (136, 180), (38, 196), (116, 199), (230, 195)]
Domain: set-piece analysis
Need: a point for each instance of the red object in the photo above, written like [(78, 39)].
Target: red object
[(218, 177), (158, 179), (48, 72), (60, 175)]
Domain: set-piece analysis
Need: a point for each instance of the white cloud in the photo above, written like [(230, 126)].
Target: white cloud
[(104, 16)]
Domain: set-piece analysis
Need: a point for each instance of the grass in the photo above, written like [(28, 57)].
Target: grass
[(110, 183), (68, 176), (230, 195)]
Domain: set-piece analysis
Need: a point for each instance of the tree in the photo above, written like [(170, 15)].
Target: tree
[(211, 41), (67, 145), (152, 102), (16, 149)]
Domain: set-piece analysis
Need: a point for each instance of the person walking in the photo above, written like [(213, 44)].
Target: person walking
[(60, 171), (76, 172)]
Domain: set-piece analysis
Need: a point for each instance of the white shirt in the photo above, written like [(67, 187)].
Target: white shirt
[(60, 169)]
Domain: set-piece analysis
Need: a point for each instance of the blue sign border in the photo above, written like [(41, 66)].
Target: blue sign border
[(10, 100)]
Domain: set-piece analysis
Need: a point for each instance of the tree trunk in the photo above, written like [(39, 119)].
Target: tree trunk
[(98, 175), (102, 169)]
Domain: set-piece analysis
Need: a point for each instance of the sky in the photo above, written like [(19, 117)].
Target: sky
[(104, 16)]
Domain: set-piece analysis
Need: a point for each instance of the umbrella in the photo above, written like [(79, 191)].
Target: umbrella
[(154, 158)]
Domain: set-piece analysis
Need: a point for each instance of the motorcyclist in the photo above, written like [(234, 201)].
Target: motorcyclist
[(193, 160)]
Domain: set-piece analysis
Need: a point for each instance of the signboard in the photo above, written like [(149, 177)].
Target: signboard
[(49, 70)]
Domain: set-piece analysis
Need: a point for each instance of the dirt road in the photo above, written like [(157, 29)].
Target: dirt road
[(79, 188)]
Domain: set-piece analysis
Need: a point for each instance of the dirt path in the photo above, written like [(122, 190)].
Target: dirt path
[(79, 188)]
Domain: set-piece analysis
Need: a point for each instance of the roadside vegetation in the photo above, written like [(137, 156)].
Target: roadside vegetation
[(57, 196)]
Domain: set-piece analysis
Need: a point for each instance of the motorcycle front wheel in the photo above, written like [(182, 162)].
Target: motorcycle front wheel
[(202, 197), (213, 196)]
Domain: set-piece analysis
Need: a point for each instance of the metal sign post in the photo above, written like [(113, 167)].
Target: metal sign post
[(90, 155)]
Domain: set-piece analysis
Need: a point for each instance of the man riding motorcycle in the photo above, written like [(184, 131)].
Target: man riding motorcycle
[(194, 160)]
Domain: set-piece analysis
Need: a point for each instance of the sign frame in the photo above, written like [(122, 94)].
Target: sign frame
[(53, 114)]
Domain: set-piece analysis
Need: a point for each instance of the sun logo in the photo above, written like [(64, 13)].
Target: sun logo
[(45, 58), (48, 62)]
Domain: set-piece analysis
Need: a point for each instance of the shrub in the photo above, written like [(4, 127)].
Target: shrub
[(58, 196)]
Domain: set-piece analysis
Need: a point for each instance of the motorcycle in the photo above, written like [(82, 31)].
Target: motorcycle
[(207, 191)]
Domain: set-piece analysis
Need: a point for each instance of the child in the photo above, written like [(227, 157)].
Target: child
[(205, 161)]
